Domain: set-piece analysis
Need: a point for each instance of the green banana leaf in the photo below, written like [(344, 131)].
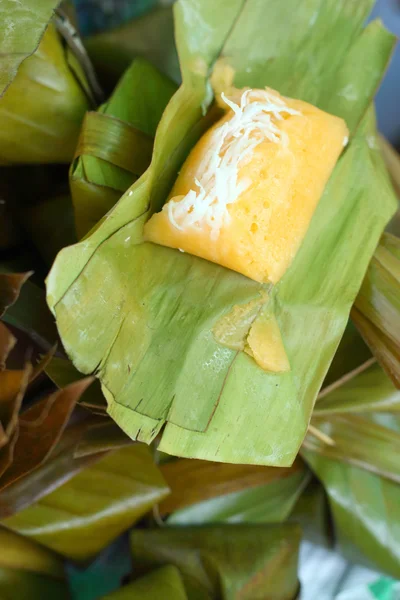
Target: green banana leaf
[(82, 516), (163, 583), (369, 391), (42, 109), (377, 308), (204, 493), (351, 354), (392, 160), (224, 562), (23, 28), (116, 143), (366, 512), (359, 440), (29, 571), (311, 512), (124, 307), (150, 36)]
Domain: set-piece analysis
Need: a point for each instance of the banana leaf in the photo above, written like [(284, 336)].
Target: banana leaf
[(123, 306), (38, 429), (311, 512), (59, 468), (43, 107), (250, 562), (29, 571), (392, 160), (359, 440), (116, 143), (50, 225), (369, 392), (23, 26), (351, 354), (366, 512), (163, 583), (62, 372), (150, 37), (204, 493), (376, 311), (26, 309), (82, 516)]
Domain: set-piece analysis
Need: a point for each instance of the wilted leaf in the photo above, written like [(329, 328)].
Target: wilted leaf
[(84, 515), (366, 512), (7, 343), (40, 428), (237, 561), (150, 37), (218, 403), (12, 389), (101, 437), (205, 492), (163, 583), (26, 307), (10, 288), (58, 469)]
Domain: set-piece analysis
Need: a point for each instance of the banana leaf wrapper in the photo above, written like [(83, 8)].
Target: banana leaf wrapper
[(376, 311), (205, 492), (42, 109), (365, 510), (250, 562), (360, 471), (26, 307), (165, 582), (141, 316), (28, 570), (24, 25), (85, 514), (150, 37), (116, 143)]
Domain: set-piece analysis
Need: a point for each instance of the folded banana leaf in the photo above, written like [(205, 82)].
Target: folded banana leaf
[(62, 372), (370, 391), (150, 37), (82, 516), (26, 308), (141, 316), (116, 143), (366, 512), (163, 583), (224, 562), (29, 571), (204, 493), (24, 25), (42, 109), (376, 311)]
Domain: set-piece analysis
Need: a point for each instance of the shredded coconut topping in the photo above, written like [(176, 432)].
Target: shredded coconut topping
[(233, 143)]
